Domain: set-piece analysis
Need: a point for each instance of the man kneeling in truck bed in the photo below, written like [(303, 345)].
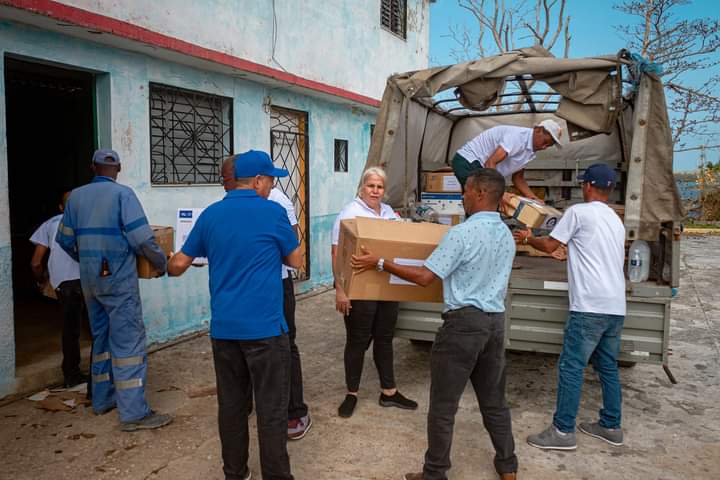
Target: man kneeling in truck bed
[(474, 261)]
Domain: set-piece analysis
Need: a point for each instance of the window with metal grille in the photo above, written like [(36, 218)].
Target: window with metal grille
[(190, 135), (341, 155), (393, 15)]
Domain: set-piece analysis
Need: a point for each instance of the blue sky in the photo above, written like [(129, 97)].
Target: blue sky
[(591, 27)]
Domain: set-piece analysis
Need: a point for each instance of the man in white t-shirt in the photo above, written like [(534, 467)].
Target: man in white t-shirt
[(64, 277), (595, 237), (507, 149), (299, 421)]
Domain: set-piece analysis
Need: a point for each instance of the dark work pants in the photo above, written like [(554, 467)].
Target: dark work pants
[(462, 168), (370, 322), (71, 300), (469, 345), (296, 407), (241, 368)]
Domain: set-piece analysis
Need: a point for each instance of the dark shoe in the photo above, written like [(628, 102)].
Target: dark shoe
[(397, 400), (553, 439), (76, 380), (299, 427), (413, 476), (149, 422), (613, 436), (104, 410), (347, 407)]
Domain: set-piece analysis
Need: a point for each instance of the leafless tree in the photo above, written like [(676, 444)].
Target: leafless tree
[(688, 51), (504, 25)]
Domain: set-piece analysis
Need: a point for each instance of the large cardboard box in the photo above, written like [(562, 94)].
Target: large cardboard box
[(402, 242), (441, 182), (164, 238), (531, 213)]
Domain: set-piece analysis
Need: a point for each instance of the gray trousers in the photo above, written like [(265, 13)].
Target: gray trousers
[(468, 346)]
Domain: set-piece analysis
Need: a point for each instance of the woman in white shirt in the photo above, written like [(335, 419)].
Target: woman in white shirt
[(368, 321)]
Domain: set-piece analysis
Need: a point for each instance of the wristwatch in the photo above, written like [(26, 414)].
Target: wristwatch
[(380, 264), (525, 240)]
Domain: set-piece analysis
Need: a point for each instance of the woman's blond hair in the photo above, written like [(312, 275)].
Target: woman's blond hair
[(377, 171)]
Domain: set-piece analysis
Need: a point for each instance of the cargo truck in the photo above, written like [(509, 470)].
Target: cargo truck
[(613, 110)]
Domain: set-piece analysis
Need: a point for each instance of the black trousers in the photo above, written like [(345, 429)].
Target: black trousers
[(296, 407), (71, 300), (370, 322), (469, 345), (241, 368)]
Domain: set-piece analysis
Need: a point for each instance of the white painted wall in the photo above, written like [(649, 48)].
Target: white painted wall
[(337, 42)]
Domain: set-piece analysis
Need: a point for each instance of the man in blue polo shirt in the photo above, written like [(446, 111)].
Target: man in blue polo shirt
[(474, 261), (246, 239)]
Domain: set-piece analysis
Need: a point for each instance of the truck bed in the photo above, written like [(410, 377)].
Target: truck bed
[(539, 268)]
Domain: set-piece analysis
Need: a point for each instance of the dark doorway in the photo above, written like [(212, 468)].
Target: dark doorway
[(50, 140)]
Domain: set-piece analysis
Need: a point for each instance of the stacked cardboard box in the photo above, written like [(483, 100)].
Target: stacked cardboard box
[(404, 243), (441, 182)]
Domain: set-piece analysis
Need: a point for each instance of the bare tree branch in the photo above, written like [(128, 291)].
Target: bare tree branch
[(689, 52), (507, 25)]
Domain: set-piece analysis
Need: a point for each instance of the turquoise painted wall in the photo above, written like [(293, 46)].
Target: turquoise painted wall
[(175, 306)]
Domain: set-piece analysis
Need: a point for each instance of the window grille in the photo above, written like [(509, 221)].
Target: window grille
[(393, 16), (190, 135), (341, 155)]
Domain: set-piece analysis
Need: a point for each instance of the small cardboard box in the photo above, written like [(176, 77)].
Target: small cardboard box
[(164, 238), (538, 191), (451, 219), (531, 213), (402, 242), (441, 182)]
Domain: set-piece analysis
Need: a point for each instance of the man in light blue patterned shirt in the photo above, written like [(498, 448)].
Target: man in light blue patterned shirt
[(474, 261)]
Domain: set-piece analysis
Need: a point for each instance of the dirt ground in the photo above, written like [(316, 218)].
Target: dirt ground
[(672, 431)]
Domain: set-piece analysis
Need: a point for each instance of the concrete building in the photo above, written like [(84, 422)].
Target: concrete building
[(175, 86)]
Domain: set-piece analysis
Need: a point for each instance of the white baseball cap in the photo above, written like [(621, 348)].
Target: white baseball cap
[(554, 129)]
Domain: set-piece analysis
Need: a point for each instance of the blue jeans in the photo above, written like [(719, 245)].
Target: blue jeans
[(590, 337)]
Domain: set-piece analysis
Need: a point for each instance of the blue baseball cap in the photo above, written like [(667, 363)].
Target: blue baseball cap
[(598, 175), (255, 162), (105, 156)]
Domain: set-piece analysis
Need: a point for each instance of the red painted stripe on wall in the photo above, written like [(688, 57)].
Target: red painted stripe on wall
[(102, 23)]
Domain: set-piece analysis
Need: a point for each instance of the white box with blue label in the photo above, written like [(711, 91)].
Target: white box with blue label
[(184, 223), (443, 203)]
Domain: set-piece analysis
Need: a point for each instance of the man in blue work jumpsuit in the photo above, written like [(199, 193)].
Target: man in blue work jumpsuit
[(104, 228)]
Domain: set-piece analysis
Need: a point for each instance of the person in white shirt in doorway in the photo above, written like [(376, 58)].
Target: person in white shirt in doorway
[(64, 276), (595, 237), (507, 149)]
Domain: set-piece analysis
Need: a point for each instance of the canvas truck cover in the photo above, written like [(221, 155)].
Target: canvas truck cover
[(411, 135)]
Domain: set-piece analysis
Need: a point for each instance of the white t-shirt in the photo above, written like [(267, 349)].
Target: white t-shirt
[(61, 266), (277, 196), (358, 208), (516, 141), (595, 237)]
